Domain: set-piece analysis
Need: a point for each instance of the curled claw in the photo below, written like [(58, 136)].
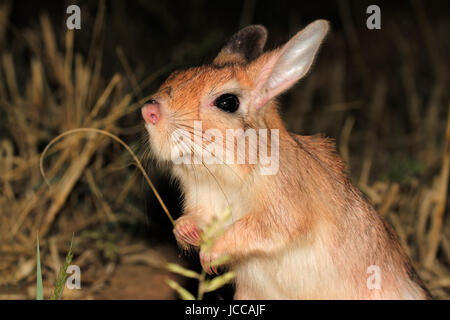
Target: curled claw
[(194, 236), (186, 232), (206, 260)]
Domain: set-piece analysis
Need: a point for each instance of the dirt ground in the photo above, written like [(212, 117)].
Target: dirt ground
[(133, 277), (137, 282)]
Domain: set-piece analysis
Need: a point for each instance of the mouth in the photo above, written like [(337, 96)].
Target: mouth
[(159, 143)]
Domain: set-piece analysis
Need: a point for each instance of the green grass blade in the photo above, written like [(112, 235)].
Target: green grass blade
[(218, 282), (182, 271), (62, 276), (184, 294), (39, 287)]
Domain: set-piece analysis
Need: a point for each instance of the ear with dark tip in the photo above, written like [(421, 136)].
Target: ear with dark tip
[(244, 46)]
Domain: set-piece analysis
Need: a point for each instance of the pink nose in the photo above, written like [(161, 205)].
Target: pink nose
[(151, 113)]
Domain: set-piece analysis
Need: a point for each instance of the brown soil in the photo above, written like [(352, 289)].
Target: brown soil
[(137, 282)]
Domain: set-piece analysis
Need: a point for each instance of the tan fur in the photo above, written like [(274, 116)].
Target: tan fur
[(304, 233)]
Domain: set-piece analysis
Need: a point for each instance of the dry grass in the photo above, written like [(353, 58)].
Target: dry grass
[(92, 183), (62, 92)]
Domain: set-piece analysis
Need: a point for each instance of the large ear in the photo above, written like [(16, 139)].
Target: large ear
[(282, 68), (244, 46)]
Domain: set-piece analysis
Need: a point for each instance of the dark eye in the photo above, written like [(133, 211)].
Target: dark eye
[(227, 102)]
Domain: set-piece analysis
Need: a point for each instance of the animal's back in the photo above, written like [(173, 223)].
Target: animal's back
[(343, 251)]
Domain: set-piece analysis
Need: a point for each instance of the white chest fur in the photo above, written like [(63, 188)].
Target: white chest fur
[(214, 192)]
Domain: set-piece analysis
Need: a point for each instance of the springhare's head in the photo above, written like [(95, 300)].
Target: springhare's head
[(236, 92)]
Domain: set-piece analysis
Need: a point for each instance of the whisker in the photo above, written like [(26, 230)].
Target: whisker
[(212, 175), (220, 160)]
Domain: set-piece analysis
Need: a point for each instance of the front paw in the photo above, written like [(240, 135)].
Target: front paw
[(212, 258), (186, 232)]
